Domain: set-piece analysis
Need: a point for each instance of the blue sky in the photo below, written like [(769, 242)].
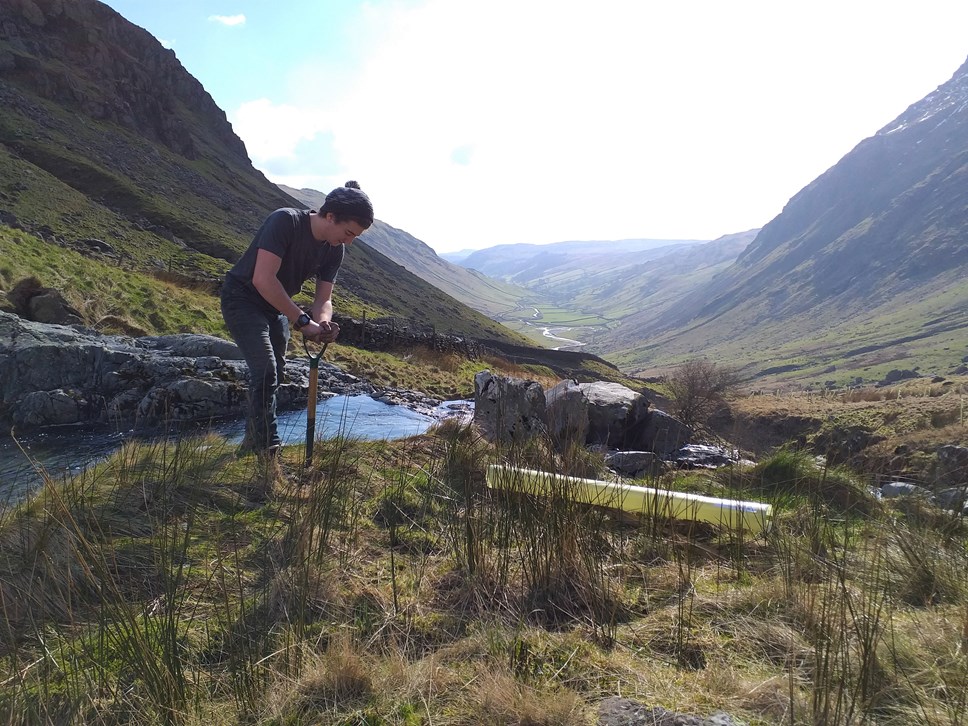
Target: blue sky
[(479, 123)]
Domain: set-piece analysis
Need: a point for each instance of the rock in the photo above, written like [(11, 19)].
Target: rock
[(895, 375), (617, 711), (633, 463), (566, 414), (703, 456), (54, 374), (952, 465), (661, 433), (895, 489), (57, 407), (99, 245), (32, 300), (51, 307), (952, 498), (508, 409), (613, 410), (194, 345)]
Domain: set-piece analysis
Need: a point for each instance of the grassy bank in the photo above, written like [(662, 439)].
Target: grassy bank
[(387, 585)]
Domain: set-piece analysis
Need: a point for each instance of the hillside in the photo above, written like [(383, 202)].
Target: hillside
[(864, 270), (110, 150)]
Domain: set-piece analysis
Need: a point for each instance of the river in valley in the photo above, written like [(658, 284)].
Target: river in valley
[(67, 451)]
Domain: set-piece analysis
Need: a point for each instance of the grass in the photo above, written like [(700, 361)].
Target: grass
[(386, 585)]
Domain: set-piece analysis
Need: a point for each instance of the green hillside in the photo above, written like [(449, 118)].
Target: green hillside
[(109, 148)]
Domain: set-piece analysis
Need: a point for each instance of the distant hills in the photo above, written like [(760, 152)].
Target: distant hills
[(864, 271)]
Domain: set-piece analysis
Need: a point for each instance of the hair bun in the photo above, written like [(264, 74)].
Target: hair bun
[(352, 185)]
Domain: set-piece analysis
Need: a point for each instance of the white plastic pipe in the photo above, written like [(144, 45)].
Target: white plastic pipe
[(752, 517)]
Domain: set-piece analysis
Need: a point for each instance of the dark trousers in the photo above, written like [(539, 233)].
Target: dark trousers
[(262, 336)]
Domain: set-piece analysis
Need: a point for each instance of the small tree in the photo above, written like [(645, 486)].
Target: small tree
[(697, 388)]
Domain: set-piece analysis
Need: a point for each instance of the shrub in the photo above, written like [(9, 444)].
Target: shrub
[(698, 388)]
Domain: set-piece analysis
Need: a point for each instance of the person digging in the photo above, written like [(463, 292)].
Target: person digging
[(291, 246)]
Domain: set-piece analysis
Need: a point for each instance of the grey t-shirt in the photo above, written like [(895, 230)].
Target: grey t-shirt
[(287, 234)]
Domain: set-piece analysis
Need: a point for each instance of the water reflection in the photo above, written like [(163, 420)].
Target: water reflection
[(69, 451)]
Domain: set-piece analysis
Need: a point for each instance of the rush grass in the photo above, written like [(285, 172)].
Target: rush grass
[(388, 585)]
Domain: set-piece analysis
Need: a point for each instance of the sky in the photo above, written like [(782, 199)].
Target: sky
[(472, 124)]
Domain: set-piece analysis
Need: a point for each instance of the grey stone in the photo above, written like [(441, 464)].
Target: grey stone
[(703, 456), (633, 463), (566, 414), (51, 307), (661, 433), (194, 345), (613, 410), (57, 407), (617, 711), (894, 489), (953, 498), (508, 409), (55, 374)]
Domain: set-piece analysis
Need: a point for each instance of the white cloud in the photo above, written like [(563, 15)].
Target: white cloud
[(228, 19), (477, 124), (273, 131)]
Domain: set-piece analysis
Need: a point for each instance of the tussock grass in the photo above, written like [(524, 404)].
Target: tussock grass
[(386, 584)]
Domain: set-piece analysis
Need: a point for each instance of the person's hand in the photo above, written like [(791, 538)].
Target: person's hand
[(324, 332), (328, 332), (312, 331)]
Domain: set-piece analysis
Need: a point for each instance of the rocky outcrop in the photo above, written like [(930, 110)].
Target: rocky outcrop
[(602, 414), (119, 72), (57, 374)]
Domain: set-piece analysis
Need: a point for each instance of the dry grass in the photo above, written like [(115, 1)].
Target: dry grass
[(387, 585)]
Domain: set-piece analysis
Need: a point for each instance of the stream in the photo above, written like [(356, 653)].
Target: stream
[(69, 451)]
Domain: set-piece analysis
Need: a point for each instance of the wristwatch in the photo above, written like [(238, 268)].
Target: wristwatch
[(302, 321)]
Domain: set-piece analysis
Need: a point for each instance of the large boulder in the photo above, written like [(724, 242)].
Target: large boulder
[(508, 409), (704, 456), (618, 711), (613, 411), (659, 432), (896, 489), (952, 498), (566, 414)]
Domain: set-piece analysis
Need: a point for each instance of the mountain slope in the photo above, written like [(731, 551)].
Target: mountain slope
[(93, 109), (865, 267)]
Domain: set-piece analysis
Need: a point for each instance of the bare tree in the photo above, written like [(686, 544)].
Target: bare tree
[(697, 388)]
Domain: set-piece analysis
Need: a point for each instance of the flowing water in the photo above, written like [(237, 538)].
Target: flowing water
[(67, 451)]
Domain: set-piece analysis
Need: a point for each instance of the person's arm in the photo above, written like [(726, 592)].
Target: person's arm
[(266, 282), (322, 311)]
